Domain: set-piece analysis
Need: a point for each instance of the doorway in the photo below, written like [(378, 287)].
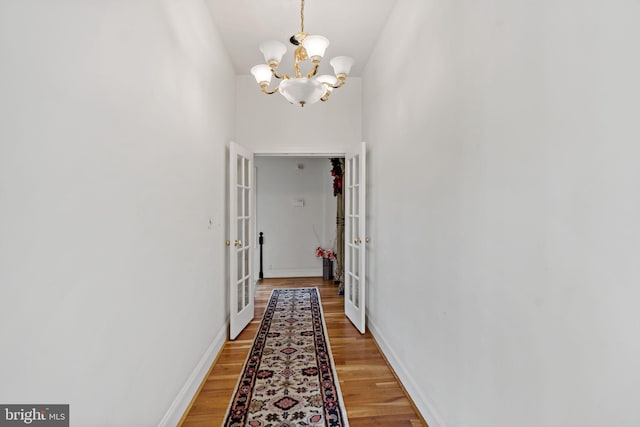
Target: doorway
[(296, 211), (294, 190)]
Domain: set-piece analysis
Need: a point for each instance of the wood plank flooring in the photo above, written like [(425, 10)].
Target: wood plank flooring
[(372, 394)]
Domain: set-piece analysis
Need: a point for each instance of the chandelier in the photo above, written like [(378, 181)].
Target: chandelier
[(301, 88)]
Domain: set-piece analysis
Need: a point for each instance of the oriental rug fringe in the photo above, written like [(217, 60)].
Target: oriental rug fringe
[(289, 378)]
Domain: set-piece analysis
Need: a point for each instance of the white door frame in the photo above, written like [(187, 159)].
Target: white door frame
[(240, 239), (293, 153), (299, 154), (355, 240)]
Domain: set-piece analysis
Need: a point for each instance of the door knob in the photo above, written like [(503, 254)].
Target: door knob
[(228, 243), (238, 243), (366, 240)]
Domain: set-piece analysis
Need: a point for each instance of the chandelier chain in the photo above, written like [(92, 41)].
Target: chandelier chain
[(302, 16)]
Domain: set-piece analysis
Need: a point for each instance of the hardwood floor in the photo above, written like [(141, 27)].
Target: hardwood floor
[(372, 394)]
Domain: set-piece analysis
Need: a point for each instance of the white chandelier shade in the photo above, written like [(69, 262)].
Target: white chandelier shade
[(262, 73), (301, 89), (342, 65), (273, 51), (315, 47)]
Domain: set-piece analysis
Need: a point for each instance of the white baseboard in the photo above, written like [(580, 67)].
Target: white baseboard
[(305, 272), (183, 399), (419, 399)]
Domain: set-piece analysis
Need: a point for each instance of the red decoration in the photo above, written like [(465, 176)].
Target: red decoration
[(337, 174)]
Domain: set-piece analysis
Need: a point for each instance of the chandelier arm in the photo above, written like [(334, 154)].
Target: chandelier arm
[(314, 70), (326, 95), (300, 55), (282, 77), (335, 86), (341, 79), (265, 88)]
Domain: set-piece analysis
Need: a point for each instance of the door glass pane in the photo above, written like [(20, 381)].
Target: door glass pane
[(245, 172), (356, 293), (241, 231), (356, 223), (240, 304), (240, 172), (247, 289), (240, 192), (246, 262), (351, 170), (352, 233), (351, 230), (356, 200), (247, 237), (356, 261), (351, 282), (240, 266), (246, 202)]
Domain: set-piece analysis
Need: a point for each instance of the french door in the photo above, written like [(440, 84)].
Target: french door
[(241, 235), (355, 232)]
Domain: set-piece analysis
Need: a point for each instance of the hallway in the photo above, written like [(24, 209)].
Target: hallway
[(372, 394), (502, 205)]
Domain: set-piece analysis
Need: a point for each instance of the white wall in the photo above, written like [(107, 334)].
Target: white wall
[(114, 120), (504, 209), (292, 233), (269, 123)]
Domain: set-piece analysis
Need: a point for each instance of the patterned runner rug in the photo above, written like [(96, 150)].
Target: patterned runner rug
[(289, 378)]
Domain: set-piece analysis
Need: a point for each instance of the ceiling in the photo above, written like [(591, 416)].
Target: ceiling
[(352, 27)]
